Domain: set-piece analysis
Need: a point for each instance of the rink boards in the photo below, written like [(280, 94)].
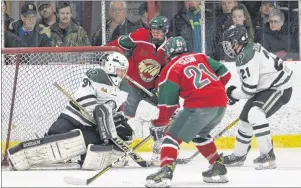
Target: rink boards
[(285, 124)]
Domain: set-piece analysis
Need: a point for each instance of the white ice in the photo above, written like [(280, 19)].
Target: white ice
[(288, 174)]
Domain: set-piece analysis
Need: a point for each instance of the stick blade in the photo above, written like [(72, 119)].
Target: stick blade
[(75, 180)]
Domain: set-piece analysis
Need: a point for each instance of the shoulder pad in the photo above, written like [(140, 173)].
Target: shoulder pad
[(98, 76), (245, 55)]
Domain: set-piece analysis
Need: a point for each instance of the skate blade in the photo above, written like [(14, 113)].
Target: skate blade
[(164, 183), (265, 166), (236, 164), (216, 179)]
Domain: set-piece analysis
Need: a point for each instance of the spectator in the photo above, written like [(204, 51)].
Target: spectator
[(263, 18), (240, 15), (12, 41), (7, 19), (27, 29), (188, 24), (143, 14), (117, 25), (277, 38), (222, 23), (65, 32), (48, 16)]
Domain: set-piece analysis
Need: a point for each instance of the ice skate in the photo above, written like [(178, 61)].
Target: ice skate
[(233, 160), (162, 178), (216, 172), (265, 161)]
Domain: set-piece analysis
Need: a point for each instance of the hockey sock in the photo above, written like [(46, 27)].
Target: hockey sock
[(207, 148), (169, 150), (263, 137), (243, 140)]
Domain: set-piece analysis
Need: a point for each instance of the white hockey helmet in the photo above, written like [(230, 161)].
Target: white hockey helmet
[(116, 66)]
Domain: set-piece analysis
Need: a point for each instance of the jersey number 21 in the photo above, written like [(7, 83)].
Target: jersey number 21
[(197, 72)]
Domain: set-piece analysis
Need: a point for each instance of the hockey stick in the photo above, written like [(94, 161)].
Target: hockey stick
[(139, 86), (187, 160), (82, 181), (118, 141)]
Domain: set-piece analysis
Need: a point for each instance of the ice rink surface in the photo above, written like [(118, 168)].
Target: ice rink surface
[(287, 174)]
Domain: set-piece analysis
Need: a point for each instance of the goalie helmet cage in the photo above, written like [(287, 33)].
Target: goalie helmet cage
[(30, 102)]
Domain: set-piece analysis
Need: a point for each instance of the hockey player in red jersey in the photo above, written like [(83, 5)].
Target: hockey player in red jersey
[(146, 56), (200, 81)]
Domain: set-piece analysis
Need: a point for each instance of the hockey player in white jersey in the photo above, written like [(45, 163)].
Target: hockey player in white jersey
[(267, 84), (74, 134)]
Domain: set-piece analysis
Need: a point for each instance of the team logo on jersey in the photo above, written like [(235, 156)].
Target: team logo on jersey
[(148, 69), (105, 90)]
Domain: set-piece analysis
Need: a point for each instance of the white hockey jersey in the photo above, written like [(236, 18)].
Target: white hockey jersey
[(260, 70), (96, 88)]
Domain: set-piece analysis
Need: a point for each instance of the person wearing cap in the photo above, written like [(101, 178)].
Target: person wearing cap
[(65, 32), (27, 29), (143, 15)]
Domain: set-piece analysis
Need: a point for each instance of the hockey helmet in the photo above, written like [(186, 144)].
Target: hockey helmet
[(234, 35), (159, 23), (174, 46)]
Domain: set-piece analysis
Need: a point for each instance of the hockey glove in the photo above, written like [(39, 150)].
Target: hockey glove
[(231, 100), (157, 131)]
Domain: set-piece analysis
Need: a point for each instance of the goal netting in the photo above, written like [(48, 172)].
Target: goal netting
[(30, 101)]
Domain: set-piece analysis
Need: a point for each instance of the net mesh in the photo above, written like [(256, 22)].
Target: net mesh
[(37, 101)]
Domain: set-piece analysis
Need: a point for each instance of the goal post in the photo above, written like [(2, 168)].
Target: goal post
[(30, 102)]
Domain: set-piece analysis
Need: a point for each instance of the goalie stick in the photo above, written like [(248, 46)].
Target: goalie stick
[(81, 181), (118, 141), (187, 160)]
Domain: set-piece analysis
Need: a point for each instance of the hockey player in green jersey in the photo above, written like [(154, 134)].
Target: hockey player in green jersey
[(200, 81), (74, 133), (267, 84)]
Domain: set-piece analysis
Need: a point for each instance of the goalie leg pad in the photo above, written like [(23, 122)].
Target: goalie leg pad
[(47, 150), (116, 153), (103, 116), (98, 157)]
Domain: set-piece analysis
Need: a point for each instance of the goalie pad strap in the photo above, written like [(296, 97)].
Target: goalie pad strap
[(48, 150)]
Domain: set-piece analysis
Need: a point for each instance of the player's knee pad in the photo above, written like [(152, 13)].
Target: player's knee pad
[(257, 116), (103, 116), (47, 150), (201, 141)]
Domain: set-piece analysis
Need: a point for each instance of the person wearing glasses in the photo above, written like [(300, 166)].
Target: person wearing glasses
[(27, 29), (116, 26), (277, 38)]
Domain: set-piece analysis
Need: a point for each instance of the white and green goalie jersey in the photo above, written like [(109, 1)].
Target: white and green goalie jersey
[(95, 88), (260, 70)]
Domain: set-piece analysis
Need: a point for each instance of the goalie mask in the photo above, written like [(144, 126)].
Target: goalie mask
[(116, 66), (233, 36)]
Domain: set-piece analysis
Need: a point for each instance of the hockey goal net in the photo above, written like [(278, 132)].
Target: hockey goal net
[(30, 101)]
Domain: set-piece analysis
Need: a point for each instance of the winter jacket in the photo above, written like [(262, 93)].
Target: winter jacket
[(124, 29), (75, 36), (33, 38)]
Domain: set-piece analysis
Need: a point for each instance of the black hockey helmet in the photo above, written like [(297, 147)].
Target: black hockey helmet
[(235, 34)]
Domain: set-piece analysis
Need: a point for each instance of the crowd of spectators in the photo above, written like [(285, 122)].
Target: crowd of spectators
[(270, 23)]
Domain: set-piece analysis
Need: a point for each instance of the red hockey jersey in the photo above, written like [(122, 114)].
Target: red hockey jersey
[(145, 61), (196, 78)]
